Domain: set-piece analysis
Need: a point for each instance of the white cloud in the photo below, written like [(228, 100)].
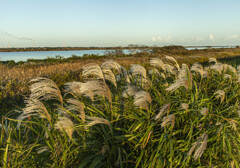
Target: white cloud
[(166, 39), (232, 37), (154, 39), (211, 37)]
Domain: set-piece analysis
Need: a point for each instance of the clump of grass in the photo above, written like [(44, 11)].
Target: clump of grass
[(113, 117)]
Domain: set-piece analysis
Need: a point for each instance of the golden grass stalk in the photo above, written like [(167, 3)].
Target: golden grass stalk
[(184, 106)]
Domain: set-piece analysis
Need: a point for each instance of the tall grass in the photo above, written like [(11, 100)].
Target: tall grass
[(164, 116)]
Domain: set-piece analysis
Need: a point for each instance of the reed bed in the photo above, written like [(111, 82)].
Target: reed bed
[(166, 115)]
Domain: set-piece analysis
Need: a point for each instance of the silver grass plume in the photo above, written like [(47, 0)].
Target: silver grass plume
[(204, 111), (153, 71), (227, 76), (97, 120), (89, 89), (76, 105), (65, 124), (111, 64), (170, 119), (142, 99), (201, 146), (156, 62), (173, 60), (198, 68), (184, 106), (177, 84), (238, 69), (130, 91), (109, 76), (45, 89), (219, 67), (212, 60), (34, 107), (137, 69), (92, 69), (42, 149), (170, 69), (165, 109), (184, 79), (220, 94)]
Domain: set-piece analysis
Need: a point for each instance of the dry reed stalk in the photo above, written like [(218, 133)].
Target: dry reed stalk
[(156, 62)]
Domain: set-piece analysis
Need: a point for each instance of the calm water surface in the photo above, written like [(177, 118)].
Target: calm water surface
[(23, 56)]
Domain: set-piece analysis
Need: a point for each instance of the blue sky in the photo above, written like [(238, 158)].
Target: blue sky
[(49, 23)]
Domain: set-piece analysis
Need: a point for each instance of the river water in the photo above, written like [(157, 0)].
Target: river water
[(23, 56)]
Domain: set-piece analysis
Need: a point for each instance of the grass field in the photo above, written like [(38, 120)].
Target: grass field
[(158, 113)]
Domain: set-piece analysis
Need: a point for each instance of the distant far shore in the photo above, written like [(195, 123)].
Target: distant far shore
[(16, 49)]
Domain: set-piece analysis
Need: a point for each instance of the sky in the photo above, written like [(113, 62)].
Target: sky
[(85, 23)]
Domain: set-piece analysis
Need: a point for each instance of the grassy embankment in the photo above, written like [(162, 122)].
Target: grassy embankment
[(167, 115)]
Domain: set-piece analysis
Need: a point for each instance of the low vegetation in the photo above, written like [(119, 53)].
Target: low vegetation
[(165, 114)]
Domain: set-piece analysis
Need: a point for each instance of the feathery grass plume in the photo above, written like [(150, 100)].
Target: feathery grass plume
[(65, 124), (78, 106), (92, 69), (104, 149), (219, 67), (173, 60), (130, 91), (170, 69), (156, 62), (220, 94), (153, 71), (34, 107), (165, 109), (238, 69), (212, 60), (201, 145), (162, 75), (204, 111), (111, 64), (177, 84), (142, 99), (97, 120), (45, 89), (198, 68), (227, 76), (234, 125), (167, 120), (42, 149), (137, 69), (89, 89), (109, 76), (184, 106)]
